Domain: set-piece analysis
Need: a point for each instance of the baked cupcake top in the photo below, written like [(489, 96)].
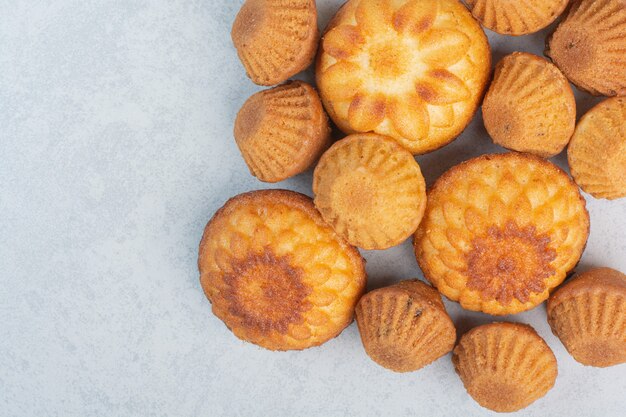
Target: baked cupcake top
[(413, 70), (275, 39), (530, 106), (516, 17), (276, 274), (597, 151), (370, 190), (500, 231)]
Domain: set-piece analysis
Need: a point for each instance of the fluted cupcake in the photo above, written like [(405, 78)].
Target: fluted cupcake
[(519, 17), (500, 231), (370, 190), (505, 367), (589, 44), (276, 274), (275, 39), (597, 151), (282, 131), (588, 314), (529, 106), (405, 327)]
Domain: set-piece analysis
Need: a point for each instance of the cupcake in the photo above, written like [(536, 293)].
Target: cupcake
[(405, 327), (282, 131), (414, 71), (588, 314), (519, 17), (529, 106), (505, 367), (276, 274), (275, 39), (370, 190), (597, 152), (589, 44), (500, 231)]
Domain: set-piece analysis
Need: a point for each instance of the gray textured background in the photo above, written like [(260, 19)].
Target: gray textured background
[(115, 149)]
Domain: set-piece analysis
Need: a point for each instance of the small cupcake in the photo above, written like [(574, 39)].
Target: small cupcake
[(276, 274), (588, 314), (519, 17), (275, 39), (412, 70), (505, 366), (370, 190), (282, 131), (500, 231), (589, 44), (597, 151), (530, 106), (405, 327)]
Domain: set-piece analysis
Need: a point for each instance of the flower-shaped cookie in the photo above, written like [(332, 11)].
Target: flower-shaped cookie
[(412, 70)]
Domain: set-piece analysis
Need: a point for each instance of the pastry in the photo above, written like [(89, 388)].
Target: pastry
[(517, 17), (414, 70), (276, 274), (529, 106), (405, 327), (275, 39), (588, 314), (500, 231), (282, 131), (589, 46), (370, 190), (597, 151), (505, 366)]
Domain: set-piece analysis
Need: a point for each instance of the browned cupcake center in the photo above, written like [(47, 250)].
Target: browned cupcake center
[(510, 262), (267, 292), (250, 21), (388, 60), (360, 188)]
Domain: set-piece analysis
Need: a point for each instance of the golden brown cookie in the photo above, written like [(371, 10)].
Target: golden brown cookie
[(597, 151), (516, 17), (414, 70), (282, 131), (405, 327), (529, 106), (505, 366), (275, 39), (276, 274), (588, 314), (500, 231), (589, 46), (370, 190)]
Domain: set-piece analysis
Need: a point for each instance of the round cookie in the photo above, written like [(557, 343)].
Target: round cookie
[(405, 327), (500, 231), (597, 151), (530, 106), (589, 44), (505, 367), (282, 131), (370, 190), (516, 17), (588, 314), (276, 274), (414, 71), (275, 39)]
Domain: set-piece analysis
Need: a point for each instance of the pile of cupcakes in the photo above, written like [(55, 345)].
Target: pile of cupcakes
[(498, 233)]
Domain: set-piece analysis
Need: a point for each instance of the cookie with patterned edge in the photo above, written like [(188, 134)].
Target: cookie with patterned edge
[(589, 46), (516, 17), (412, 70), (597, 151), (500, 231), (530, 106), (371, 190), (276, 274), (275, 39), (505, 367), (282, 131)]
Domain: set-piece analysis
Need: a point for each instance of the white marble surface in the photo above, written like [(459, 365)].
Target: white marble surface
[(115, 149)]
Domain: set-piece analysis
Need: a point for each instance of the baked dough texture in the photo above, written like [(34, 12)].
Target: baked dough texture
[(516, 17)]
